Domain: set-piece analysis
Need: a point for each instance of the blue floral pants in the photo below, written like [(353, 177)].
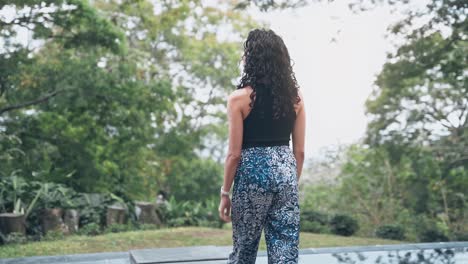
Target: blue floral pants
[(265, 195)]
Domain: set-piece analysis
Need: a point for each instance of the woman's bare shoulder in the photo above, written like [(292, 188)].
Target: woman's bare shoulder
[(241, 94), (300, 104)]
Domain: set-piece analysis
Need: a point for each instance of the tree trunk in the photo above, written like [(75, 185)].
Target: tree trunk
[(52, 220), (115, 215), (147, 213), (12, 222), (71, 219)]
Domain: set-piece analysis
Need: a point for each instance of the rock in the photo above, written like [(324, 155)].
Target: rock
[(71, 219), (12, 222), (147, 214), (115, 215), (52, 220)]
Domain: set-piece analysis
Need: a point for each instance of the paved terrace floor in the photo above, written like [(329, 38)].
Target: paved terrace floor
[(434, 253)]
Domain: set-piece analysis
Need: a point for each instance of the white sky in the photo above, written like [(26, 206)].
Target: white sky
[(335, 77)]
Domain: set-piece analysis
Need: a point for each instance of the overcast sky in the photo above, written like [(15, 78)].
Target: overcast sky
[(335, 77)]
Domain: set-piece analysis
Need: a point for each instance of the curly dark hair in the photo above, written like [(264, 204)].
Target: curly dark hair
[(268, 71)]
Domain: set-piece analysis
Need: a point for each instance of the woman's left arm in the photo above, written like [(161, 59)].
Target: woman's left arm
[(235, 123)]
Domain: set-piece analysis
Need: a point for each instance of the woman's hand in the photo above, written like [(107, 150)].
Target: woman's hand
[(225, 208)]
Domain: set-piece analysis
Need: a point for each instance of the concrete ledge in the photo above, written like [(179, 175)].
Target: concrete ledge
[(106, 257), (206, 254), (209, 254)]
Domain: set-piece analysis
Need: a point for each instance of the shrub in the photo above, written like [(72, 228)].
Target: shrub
[(190, 213), (314, 227), (395, 232), (53, 235), (57, 195), (433, 235), (314, 216), (163, 212), (147, 226), (461, 236), (343, 225), (210, 214), (90, 229), (313, 221), (15, 238), (208, 223), (2, 238), (181, 213), (93, 207), (117, 228), (176, 222)]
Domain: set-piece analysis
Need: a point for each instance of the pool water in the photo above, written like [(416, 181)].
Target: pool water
[(422, 256)]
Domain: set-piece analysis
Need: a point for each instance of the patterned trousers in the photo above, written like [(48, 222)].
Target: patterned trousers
[(265, 196)]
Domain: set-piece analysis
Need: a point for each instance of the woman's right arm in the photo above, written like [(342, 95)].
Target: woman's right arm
[(298, 136)]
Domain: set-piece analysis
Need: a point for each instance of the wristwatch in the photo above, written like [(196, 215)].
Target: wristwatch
[(223, 192)]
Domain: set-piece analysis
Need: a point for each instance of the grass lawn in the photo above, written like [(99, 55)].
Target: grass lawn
[(165, 237)]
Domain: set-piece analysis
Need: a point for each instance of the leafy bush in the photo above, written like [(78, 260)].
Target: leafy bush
[(57, 195), (433, 235), (15, 238), (163, 212), (461, 236), (206, 223), (314, 227), (313, 221), (176, 222), (314, 216), (343, 225), (190, 213), (116, 228), (18, 195), (90, 229), (211, 215), (182, 213), (34, 225), (147, 226), (93, 207), (53, 235), (390, 232)]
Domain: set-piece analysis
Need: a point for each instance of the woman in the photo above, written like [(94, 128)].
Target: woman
[(263, 112)]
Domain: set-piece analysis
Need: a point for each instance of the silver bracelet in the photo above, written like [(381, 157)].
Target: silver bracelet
[(223, 192)]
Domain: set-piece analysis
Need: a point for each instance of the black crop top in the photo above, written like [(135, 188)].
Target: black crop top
[(263, 130)]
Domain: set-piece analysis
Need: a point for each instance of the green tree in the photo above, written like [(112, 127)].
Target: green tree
[(414, 160), (419, 109), (202, 66), (109, 116), (266, 5)]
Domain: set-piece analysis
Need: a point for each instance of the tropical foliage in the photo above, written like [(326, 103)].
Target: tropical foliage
[(115, 101), (110, 97)]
